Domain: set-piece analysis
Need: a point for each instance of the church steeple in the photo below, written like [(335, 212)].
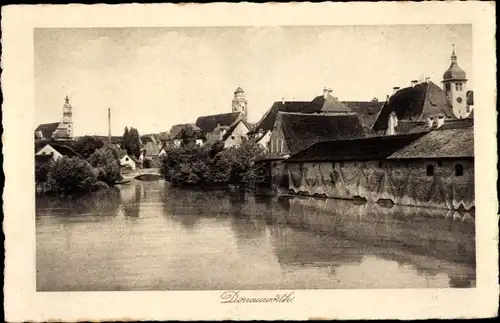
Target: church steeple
[(240, 102), (454, 83)]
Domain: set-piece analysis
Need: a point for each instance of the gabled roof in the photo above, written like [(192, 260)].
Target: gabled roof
[(372, 148), (302, 130), (208, 123), (231, 129), (47, 129), (415, 103), (197, 131), (176, 129), (440, 143), (62, 149), (367, 110), (314, 106)]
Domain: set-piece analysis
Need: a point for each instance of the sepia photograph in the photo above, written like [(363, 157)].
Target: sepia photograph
[(177, 158), (250, 162)]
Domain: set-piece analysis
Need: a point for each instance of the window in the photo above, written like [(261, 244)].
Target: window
[(440, 163), (468, 109), (380, 164), (430, 170), (232, 137), (456, 86), (459, 170), (447, 86)]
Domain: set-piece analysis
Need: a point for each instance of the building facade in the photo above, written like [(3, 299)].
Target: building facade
[(62, 130)]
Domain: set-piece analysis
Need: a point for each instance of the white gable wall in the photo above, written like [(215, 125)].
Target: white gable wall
[(265, 140), (236, 136), (47, 150)]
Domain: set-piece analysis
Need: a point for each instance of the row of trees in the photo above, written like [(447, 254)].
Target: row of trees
[(190, 165)]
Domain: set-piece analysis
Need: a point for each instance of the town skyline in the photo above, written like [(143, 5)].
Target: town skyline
[(153, 78)]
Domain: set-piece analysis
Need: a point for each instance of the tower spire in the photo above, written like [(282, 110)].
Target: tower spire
[(453, 55)]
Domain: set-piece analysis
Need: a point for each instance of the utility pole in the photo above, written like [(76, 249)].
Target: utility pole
[(109, 126)]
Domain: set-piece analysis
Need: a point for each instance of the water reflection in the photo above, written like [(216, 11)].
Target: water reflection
[(148, 235)]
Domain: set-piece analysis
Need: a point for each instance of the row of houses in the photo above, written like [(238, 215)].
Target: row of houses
[(416, 148)]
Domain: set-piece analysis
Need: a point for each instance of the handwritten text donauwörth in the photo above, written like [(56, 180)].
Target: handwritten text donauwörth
[(236, 297)]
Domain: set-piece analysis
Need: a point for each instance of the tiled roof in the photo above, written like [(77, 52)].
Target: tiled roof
[(415, 103), (176, 129), (302, 130), (62, 149), (47, 129), (197, 131), (208, 123), (440, 143), (367, 110), (373, 148)]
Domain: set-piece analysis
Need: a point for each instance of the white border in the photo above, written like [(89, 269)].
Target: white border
[(23, 303)]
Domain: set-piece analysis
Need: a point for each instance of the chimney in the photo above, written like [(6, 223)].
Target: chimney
[(440, 121), (414, 82), (427, 79), (395, 89), (261, 131), (283, 100), (430, 122), (387, 97), (325, 92)]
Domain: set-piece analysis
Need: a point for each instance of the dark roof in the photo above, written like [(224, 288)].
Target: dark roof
[(176, 129), (62, 149), (440, 143), (454, 72), (318, 105), (231, 129), (302, 130), (197, 131), (114, 139), (367, 110), (414, 103), (47, 129), (208, 123), (373, 148), (470, 97), (146, 139)]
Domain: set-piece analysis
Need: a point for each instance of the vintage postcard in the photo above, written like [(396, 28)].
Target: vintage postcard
[(250, 161)]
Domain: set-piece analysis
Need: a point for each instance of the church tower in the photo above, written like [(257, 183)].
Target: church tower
[(240, 102), (454, 85), (68, 117)]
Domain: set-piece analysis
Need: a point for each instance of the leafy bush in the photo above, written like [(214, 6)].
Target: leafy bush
[(71, 175), (87, 145), (191, 165), (41, 172), (106, 162)]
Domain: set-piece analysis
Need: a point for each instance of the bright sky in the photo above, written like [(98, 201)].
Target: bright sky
[(152, 78)]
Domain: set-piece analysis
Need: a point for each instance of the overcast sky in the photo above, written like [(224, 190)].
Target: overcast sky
[(152, 78)]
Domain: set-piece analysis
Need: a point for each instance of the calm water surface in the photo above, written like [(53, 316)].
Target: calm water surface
[(150, 236)]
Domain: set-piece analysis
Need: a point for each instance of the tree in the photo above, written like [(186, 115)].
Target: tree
[(86, 145), (131, 142), (105, 161), (71, 175), (188, 136)]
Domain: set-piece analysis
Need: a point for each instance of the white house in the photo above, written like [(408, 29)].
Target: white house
[(235, 134), (127, 161), (55, 151)]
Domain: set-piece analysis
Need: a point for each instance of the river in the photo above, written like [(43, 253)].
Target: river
[(151, 236)]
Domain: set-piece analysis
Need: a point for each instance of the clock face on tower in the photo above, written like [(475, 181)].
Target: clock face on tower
[(459, 99)]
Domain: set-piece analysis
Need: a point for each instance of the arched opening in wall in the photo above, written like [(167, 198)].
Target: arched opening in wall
[(459, 170), (430, 170)]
